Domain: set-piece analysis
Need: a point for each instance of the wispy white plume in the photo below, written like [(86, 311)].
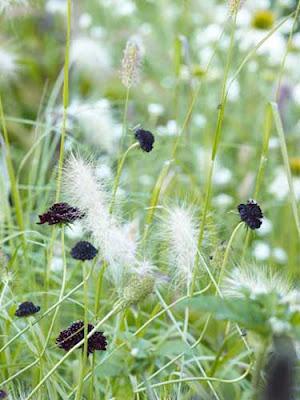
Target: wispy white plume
[(88, 193), (181, 230), (90, 57), (254, 280)]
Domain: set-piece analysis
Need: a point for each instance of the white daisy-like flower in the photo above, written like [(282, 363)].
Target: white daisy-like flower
[(254, 280), (279, 187), (8, 64)]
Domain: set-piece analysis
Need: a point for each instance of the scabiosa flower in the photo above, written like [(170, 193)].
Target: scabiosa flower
[(251, 214), (26, 309), (3, 394), (84, 250), (145, 139), (60, 213), (68, 338), (131, 63)]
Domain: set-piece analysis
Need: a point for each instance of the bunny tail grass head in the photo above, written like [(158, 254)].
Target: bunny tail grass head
[(181, 231), (131, 63), (116, 245), (255, 280)]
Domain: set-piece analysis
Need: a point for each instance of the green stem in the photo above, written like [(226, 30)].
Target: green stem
[(85, 345), (118, 175)]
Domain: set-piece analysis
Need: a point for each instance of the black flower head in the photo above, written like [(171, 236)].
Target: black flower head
[(68, 338), (84, 251), (251, 214), (145, 139), (3, 394), (60, 213), (27, 308)]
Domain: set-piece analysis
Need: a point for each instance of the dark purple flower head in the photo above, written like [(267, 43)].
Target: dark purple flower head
[(84, 251), (251, 214), (60, 213), (68, 338), (26, 309), (3, 394), (145, 139)]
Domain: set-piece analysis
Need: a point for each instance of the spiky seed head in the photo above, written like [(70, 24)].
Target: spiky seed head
[(131, 63), (235, 5), (137, 289)]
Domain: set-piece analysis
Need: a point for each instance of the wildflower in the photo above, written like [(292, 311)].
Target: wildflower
[(263, 19), (26, 309), (137, 289), (253, 281), (251, 214), (8, 62), (131, 63), (60, 213), (90, 57), (145, 139), (97, 123), (295, 165), (261, 251), (3, 394), (84, 251), (69, 337), (181, 231)]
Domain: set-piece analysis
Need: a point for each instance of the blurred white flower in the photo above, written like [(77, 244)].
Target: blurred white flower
[(223, 200), (234, 91), (266, 227), (255, 280), (170, 129), (56, 7), (56, 264), (97, 123), (222, 176), (90, 57), (122, 8), (85, 21), (155, 109), (279, 255), (279, 188), (208, 35), (279, 327), (200, 120), (8, 64), (274, 143), (261, 251)]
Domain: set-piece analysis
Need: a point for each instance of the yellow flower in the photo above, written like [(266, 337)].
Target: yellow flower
[(263, 19), (295, 165)]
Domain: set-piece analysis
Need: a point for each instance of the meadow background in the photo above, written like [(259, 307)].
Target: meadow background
[(218, 85)]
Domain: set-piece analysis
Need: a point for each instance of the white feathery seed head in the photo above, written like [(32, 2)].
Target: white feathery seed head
[(8, 64), (181, 231), (131, 63), (88, 193), (90, 57), (254, 280)]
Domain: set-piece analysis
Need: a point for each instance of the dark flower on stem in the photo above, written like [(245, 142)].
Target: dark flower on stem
[(84, 251), (145, 139), (68, 338), (3, 394), (60, 213), (251, 214), (26, 309)]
